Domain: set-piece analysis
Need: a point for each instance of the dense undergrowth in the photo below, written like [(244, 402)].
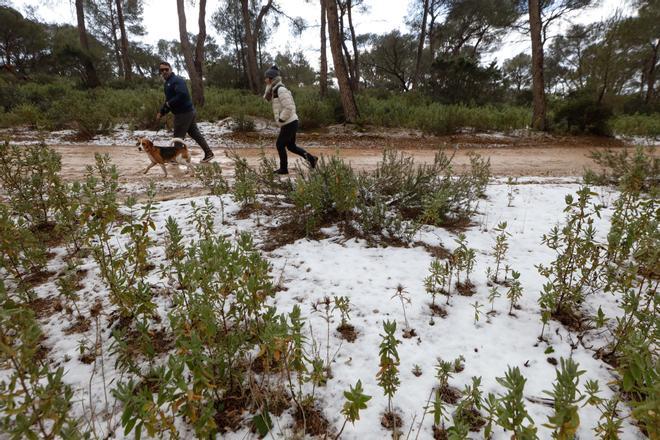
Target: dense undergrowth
[(60, 105)]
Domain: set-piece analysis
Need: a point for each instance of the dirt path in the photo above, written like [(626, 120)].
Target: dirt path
[(540, 156)]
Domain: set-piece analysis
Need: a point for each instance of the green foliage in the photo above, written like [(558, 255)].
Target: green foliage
[(578, 257), (565, 421), (388, 372), (210, 175), (356, 401), (21, 251), (245, 184), (500, 248), (29, 177), (436, 282), (218, 320), (640, 379), (511, 411), (330, 191), (34, 400), (343, 304), (636, 125), (633, 172), (583, 115), (515, 291)]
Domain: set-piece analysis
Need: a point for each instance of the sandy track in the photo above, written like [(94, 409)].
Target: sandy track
[(509, 156)]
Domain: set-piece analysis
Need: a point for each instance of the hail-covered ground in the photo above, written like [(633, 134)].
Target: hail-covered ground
[(310, 269)]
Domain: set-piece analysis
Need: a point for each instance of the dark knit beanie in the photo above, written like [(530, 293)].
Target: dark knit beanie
[(273, 72)]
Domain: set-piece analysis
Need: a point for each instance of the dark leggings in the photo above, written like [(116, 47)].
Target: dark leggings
[(185, 123), (287, 141)]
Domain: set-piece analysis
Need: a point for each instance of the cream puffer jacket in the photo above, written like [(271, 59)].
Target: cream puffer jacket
[(284, 108)]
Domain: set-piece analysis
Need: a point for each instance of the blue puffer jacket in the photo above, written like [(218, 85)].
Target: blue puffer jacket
[(177, 98)]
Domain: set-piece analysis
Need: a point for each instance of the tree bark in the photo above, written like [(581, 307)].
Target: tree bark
[(91, 78), (115, 43), (420, 45), (356, 54), (251, 37), (345, 90), (323, 76), (201, 40), (650, 76), (538, 84), (186, 48), (124, 42)]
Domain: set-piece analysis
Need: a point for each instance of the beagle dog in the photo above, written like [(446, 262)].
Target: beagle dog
[(177, 152)]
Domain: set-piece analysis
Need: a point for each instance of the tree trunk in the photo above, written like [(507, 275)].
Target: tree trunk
[(201, 40), (342, 37), (251, 39), (432, 38), (186, 48), (420, 45), (323, 76), (91, 78), (538, 85), (345, 91), (650, 76), (356, 54), (124, 41), (115, 48)]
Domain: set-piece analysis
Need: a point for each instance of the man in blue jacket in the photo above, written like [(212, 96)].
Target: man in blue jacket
[(177, 101)]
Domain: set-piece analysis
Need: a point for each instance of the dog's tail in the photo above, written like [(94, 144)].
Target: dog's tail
[(177, 142)]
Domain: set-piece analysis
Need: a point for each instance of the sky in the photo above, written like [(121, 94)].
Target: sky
[(381, 16)]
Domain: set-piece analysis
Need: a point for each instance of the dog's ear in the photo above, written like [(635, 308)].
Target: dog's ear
[(138, 143)]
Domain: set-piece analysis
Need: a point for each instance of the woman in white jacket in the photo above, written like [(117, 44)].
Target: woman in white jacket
[(284, 111)]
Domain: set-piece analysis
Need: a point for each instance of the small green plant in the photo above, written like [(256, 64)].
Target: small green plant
[(493, 294), (31, 181), (203, 219), (356, 401), (343, 304), (443, 372), (21, 251), (459, 364), (510, 182), (511, 411), (500, 248), (210, 175), (565, 394), (436, 282), (515, 291), (34, 400), (577, 261), (438, 411), (477, 311), (388, 373), (610, 423), (245, 184), (401, 293)]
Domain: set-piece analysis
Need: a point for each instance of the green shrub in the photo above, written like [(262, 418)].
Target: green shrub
[(583, 115), (636, 125), (30, 177), (638, 171), (327, 193), (34, 400)]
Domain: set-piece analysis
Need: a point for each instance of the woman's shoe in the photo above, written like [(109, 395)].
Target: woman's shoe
[(281, 171)]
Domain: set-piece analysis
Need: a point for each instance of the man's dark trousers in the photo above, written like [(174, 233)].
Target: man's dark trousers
[(186, 123)]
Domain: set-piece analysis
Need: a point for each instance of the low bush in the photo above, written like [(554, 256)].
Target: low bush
[(636, 125), (583, 115), (633, 171)]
